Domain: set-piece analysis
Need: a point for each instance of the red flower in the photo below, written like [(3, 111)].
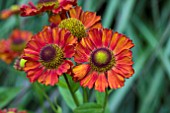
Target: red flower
[(78, 21), (12, 110), (13, 47), (47, 5), (9, 12), (47, 55), (105, 60)]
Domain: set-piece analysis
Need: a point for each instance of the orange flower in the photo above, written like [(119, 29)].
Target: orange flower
[(47, 5), (12, 110), (13, 47), (78, 21), (47, 55), (105, 60), (9, 12)]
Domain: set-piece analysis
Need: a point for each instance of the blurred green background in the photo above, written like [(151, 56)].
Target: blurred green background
[(146, 22)]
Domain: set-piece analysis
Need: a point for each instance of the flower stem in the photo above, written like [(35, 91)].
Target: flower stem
[(48, 99), (71, 90), (105, 100), (85, 95)]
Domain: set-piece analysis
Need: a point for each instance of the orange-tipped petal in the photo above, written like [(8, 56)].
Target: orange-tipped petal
[(75, 12), (115, 80), (89, 80), (96, 37), (80, 71), (101, 83), (123, 43), (31, 65), (124, 60), (106, 37), (116, 36)]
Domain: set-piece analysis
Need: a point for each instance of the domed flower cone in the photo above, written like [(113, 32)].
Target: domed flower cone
[(47, 55), (14, 45), (104, 59), (78, 22), (54, 6)]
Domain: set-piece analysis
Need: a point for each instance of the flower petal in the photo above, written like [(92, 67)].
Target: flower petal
[(101, 83), (89, 80), (80, 71), (96, 37), (115, 80), (106, 37)]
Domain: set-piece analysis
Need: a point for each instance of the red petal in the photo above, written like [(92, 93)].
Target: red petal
[(124, 53), (124, 60), (116, 36), (68, 51), (96, 37), (106, 37), (123, 43), (115, 80)]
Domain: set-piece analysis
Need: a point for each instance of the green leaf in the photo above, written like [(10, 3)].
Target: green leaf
[(89, 108), (7, 94), (65, 93), (75, 86), (100, 97)]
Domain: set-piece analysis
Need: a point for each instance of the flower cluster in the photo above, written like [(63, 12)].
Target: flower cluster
[(74, 43), (102, 58)]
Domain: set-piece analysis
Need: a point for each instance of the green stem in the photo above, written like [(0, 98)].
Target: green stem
[(48, 99), (85, 95), (71, 91), (105, 100)]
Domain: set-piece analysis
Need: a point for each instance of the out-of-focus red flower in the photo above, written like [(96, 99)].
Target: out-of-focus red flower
[(15, 9), (14, 45), (55, 6), (104, 58), (12, 110)]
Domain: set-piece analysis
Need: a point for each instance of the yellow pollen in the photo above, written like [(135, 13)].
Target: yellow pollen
[(47, 3), (75, 26), (101, 57)]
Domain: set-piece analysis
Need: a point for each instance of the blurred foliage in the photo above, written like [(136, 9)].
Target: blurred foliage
[(147, 23)]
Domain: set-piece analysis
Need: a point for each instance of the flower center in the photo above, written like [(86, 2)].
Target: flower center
[(47, 3), (102, 59), (18, 45), (75, 26), (51, 56)]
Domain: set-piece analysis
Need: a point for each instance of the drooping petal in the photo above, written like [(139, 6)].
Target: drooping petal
[(101, 83), (31, 65), (80, 71), (89, 80)]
